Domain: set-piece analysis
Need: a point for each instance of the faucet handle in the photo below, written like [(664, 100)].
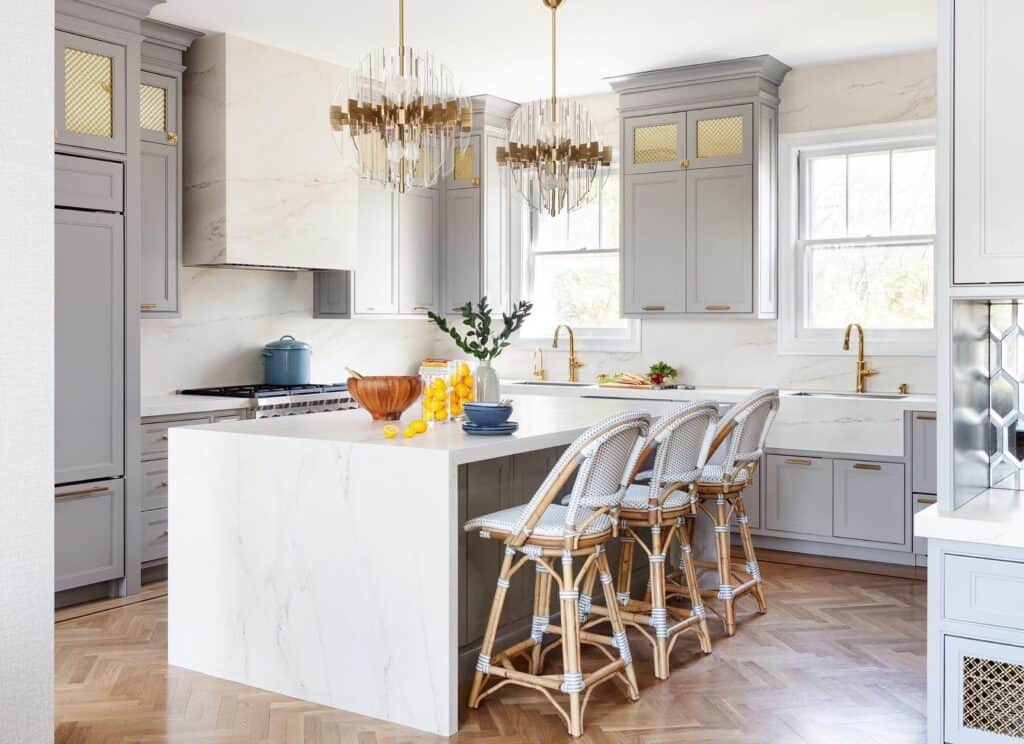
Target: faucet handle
[(868, 372)]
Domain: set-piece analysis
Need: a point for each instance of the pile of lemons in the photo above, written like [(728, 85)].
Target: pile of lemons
[(415, 427)]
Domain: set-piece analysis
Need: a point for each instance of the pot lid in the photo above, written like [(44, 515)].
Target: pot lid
[(287, 343)]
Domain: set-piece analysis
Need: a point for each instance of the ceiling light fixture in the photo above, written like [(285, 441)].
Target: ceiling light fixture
[(553, 149), (403, 114)]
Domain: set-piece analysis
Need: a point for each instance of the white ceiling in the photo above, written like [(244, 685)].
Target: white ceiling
[(502, 46)]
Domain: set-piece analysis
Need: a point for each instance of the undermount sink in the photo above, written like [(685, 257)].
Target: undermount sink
[(878, 396), (555, 383)]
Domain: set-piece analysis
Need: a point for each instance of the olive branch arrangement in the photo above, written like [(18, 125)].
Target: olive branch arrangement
[(478, 341)]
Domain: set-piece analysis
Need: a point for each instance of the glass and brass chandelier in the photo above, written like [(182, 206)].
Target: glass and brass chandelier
[(553, 150), (404, 115)]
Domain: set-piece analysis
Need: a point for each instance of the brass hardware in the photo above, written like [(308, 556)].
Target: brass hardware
[(56, 133), (163, 535), (863, 370), (172, 138), (925, 417), (718, 307), (456, 309), (105, 87), (927, 502), (904, 389), (684, 163), (866, 466), (475, 182), (81, 492), (539, 373), (147, 306), (163, 484), (420, 309), (574, 363), (798, 461), (163, 438), (653, 308)]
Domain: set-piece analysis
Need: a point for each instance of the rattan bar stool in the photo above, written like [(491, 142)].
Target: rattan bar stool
[(542, 531), (737, 448)]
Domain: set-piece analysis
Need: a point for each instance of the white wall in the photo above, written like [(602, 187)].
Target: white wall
[(721, 351), (26, 374)]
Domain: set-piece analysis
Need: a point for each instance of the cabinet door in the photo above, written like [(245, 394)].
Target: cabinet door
[(331, 296), (161, 247), (88, 534), (720, 240), (466, 166), (89, 345), (654, 247), (653, 144), (154, 534), (89, 93), (798, 495), (158, 108), (154, 485), (374, 284), (981, 692), (462, 249), (869, 501), (419, 251), (925, 454), (720, 136), (987, 188)]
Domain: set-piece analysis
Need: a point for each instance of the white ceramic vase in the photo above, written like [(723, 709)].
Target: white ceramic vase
[(488, 388)]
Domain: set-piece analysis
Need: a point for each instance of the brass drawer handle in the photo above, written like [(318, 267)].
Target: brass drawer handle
[(927, 502), (163, 438), (456, 309), (925, 417), (866, 466), (718, 307), (798, 461), (652, 308), (82, 492), (147, 306), (163, 484), (421, 309)]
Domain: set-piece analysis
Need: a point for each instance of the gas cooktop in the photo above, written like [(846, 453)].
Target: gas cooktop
[(266, 391)]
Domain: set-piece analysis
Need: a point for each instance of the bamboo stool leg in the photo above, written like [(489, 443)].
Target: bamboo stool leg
[(748, 551), (483, 662), (618, 627), (541, 615), (696, 603), (586, 596), (659, 614), (625, 579), (572, 673), (723, 543)]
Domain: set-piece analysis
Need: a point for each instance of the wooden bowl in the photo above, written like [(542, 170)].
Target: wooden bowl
[(387, 396)]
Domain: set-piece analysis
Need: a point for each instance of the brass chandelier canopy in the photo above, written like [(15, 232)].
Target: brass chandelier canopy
[(553, 149), (403, 114)]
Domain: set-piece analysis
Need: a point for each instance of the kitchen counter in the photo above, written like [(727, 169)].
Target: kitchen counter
[(994, 517), (314, 558), (176, 404)]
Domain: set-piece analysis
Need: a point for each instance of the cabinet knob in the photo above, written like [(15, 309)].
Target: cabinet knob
[(475, 182), (172, 138), (653, 308), (684, 163)]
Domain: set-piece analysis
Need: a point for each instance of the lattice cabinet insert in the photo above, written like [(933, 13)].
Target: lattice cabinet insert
[(993, 696)]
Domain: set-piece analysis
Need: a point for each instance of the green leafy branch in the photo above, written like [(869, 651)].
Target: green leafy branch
[(478, 340)]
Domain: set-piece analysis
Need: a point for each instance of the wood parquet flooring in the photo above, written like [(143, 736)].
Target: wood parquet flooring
[(840, 657)]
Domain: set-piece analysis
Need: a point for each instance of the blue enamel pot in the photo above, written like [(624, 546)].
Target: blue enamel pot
[(286, 362)]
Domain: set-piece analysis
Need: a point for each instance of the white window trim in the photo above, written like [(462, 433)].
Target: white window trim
[(829, 342)]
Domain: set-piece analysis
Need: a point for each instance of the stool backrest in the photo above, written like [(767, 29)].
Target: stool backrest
[(604, 456), (681, 441), (743, 430)]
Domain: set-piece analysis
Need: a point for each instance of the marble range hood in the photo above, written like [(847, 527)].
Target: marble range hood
[(264, 184)]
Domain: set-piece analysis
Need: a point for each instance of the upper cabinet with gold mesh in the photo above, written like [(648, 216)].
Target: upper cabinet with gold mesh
[(720, 136), (466, 168), (90, 93), (655, 143), (158, 115)]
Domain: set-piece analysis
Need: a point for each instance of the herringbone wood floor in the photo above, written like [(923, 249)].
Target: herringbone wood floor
[(840, 657)]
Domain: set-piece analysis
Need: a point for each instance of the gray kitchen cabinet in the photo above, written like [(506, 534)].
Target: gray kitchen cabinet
[(869, 501), (654, 144), (86, 183), (925, 454), (654, 247), (88, 524), (159, 101), (160, 257), (154, 485), (90, 93), (463, 254), (466, 166), (720, 240), (798, 495), (374, 287), (154, 535), (332, 296), (720, 136), (419, 251), (89, 358)]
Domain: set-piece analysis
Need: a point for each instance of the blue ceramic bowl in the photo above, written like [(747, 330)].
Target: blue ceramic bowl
[(487, 414)]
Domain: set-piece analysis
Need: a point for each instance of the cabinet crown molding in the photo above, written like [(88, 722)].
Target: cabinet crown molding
[(763, 66), (179, 38)]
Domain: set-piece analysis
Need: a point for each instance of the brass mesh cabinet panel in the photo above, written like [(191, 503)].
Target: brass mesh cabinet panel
[(993, 696), (153, 107), (720, 137), (88, 83), (655, 144)]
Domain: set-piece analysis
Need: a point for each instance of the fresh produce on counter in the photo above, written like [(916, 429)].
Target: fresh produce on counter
[(660, 372)]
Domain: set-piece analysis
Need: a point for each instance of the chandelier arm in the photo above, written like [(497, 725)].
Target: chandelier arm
[(554, 58)]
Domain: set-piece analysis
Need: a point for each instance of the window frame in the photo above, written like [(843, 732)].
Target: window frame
[(794, 335), (588, 338)]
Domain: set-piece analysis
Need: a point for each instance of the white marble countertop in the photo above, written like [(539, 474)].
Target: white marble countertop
[(175, 404), (994, 517)]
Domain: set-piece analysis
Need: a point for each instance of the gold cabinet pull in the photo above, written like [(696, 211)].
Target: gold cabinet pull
[(172, 138), (927, 502), (866, 466), (82, 492), (925, 417), (718, 307), (653, 308), (475, 182), (684, 163), (420, 309), (163, 438), (163, 535), (798, 461), (147, 306), (163, 484), (456, 309)]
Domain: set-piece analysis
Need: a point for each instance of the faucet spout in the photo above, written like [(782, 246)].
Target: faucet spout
[(574, 363), (863, 370)]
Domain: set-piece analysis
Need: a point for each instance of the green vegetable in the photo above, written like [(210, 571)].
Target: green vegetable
[(661, 371), (478, 341)]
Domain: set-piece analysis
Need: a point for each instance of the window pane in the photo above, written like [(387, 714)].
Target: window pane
[(827, 198), (581, 290), (913, 191), (868, 194), (878, 286), (610, 213)]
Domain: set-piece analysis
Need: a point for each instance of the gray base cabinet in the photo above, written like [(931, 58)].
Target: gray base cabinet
[(89, 534), (798, 497), (868, 501)]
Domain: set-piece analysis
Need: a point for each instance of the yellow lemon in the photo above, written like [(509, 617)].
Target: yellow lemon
[(456, 409), (438, 382), (419, 426), (441, 416), (453, 379), (437, 406), (463, 369), (462, 390), (468, 381), (428, 415), (390, 431), (409, 433)]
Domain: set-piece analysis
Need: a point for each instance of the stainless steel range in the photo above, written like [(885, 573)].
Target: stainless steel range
[(267, 401)]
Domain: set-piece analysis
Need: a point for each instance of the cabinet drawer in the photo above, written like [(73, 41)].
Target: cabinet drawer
[(985, 591), (154, 485), (88, 528), (154, 436), (154, 535), (84, 183), (798, 496), (869, 501)]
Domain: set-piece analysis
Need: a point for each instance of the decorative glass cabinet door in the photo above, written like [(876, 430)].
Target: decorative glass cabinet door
[(720, 136), (655, 144), (158, 104), (89, 93)]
